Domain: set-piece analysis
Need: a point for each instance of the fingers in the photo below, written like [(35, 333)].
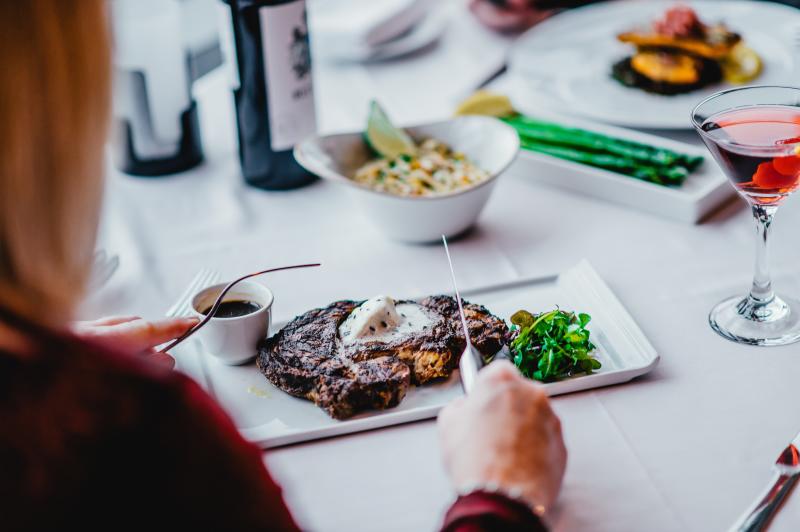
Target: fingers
[(451, 409), (135, 334), (498, 371), (116, 320), (162, 359), (107, 321), (141, 335)]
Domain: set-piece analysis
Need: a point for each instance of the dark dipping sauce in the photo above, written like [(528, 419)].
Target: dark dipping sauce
[(234, 309)]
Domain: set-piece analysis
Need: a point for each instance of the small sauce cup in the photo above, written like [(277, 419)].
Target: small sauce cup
[(235, 340)]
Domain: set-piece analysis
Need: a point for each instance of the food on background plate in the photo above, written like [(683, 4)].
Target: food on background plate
[(354, 356), (553, 345), (679, 53), (641, 161), (404, 168)]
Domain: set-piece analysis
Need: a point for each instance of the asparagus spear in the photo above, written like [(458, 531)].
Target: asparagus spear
[(674, 175), (550, 133)]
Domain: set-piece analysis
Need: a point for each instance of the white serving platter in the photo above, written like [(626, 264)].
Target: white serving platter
[(269, 417), (704, 190), (566, 60)]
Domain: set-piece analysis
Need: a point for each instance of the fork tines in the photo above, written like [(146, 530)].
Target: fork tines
[(182, 307)]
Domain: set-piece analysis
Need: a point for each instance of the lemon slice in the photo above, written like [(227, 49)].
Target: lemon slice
[(384, 138), (741, 65), (486, 103)]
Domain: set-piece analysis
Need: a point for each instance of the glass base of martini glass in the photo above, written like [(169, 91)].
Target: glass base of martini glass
[(760, 318), (747, 321)]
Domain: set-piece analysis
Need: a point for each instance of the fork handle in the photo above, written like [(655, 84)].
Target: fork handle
[(758, 517)]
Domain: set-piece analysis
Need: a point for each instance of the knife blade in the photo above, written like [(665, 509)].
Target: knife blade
[(471, 361), (787, 472)]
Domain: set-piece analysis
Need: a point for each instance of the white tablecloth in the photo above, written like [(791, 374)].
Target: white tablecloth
[(686, 448)]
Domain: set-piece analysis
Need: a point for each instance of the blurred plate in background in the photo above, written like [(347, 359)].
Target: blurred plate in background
[(565, 62)]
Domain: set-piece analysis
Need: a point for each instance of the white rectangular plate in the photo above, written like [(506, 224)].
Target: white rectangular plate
[(269, 417), (704, 190)]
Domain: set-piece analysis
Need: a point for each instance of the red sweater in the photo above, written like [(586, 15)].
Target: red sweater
[(97, 438)]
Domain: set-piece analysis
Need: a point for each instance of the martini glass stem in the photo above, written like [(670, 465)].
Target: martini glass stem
[(761, 292)]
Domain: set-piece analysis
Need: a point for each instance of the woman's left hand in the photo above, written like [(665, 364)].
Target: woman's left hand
[(131, 333)]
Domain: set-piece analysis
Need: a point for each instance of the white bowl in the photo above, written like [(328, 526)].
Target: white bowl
[(487, 142)]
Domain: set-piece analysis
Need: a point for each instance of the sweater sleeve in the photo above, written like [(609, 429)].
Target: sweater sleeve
[(217, 479), (484, 511)]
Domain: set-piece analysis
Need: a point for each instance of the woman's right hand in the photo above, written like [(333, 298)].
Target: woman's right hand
[(504, 434)]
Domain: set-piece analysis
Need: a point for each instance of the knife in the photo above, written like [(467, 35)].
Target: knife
[(787, 471), (471, 360)]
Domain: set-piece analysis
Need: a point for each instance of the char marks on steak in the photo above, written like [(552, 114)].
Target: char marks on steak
[(308, 359)]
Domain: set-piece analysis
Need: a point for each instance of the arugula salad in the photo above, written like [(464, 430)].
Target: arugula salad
[(553, 345)]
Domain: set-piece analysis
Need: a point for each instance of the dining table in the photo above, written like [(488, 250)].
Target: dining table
[(687, 447)]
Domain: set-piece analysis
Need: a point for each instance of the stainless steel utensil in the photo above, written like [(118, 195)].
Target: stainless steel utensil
[(787, 471), (183, 306), (221, 295), (471, 360)]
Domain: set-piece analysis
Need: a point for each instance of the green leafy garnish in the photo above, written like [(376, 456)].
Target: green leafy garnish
[(552, 345)]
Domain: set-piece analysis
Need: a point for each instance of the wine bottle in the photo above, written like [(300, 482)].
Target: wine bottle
[(273, 88)]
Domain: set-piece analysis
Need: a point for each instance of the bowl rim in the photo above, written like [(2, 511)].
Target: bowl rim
[(336, 176)]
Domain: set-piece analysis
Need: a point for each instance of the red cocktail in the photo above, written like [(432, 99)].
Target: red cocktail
[(738, 134)]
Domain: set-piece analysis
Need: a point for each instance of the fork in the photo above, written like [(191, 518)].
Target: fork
[(183, 306)]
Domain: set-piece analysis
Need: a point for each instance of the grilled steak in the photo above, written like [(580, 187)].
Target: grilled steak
[(309, 358)]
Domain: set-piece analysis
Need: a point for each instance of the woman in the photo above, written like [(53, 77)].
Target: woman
[(93, 430)]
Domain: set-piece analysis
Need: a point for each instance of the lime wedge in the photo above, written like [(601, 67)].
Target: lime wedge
[(486, 103), (384, 138), (741, 65)]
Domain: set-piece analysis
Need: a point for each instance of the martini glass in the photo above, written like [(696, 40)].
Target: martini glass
[(754, 135)]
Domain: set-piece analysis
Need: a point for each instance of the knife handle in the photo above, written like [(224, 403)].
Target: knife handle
[(758, 518)]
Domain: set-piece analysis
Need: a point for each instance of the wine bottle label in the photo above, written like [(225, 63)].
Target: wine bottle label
[(287, 67)]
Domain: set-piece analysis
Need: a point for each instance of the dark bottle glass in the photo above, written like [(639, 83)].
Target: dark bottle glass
[(273, 90)]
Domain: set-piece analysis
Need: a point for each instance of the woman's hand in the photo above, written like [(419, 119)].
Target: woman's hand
[(505, 434), (508, 15), (131, 333)]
